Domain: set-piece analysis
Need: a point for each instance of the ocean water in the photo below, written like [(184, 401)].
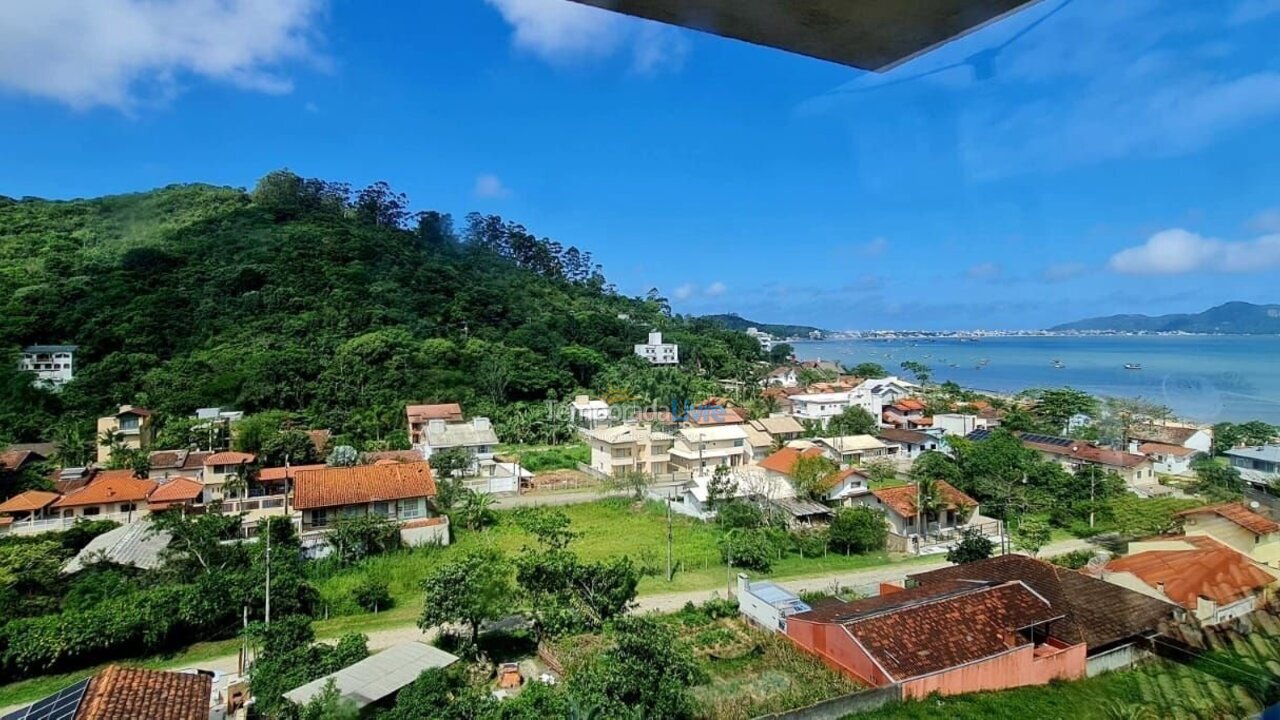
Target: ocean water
[(1207, 378)]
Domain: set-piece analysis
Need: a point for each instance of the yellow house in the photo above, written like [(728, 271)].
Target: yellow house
[(1237, 527), (617, 449), (130, 428)]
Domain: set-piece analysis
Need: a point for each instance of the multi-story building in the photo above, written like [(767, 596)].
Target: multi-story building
[(53, 365), (419, 415), (623, 448), (658, 352), (130, 428), (700, 449), (820, 406), (476, 437), (764, 338)]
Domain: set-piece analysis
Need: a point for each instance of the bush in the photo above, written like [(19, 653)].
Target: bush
[(858, 530), (973, 546), (1074, 560), (372, 595), (738, 515), (559, 458), (751, 549)]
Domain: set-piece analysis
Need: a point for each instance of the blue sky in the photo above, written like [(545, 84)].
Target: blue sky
[(1112, 157)]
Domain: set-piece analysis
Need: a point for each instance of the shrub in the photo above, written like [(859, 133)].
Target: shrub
[(372, 595), (858, 530), (751, 549), (738, 515)]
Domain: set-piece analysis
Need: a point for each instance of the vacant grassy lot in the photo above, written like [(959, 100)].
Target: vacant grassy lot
[(607, 528)]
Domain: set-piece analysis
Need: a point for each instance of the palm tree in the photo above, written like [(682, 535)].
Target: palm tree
[(929, 501), (238, 484), (476, 509)]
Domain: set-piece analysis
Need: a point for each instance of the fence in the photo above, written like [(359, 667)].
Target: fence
[(32, 527), (836, 708), (907, 543)]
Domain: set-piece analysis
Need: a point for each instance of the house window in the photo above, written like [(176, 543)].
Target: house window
[(382, 509), (90, 511), (319, 518), (911, 521), (409, 509), (737, 443), (129, 422), (128, 507)]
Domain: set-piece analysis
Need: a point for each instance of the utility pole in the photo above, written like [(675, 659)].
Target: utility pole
[(670, 570), (267, 613)]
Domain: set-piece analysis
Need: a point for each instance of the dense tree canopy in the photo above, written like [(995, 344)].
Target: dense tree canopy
[(333, 305)]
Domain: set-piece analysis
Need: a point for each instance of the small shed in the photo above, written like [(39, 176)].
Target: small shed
[(767, 604), (377, 677)]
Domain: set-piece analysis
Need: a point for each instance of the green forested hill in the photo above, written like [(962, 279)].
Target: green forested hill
[(307, 297), (735, 322)]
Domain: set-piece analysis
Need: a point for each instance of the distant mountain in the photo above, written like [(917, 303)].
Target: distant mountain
[(737, 322), (1233, 318)]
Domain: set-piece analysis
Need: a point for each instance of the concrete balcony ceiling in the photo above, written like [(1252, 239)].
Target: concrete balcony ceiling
[(865, 34)]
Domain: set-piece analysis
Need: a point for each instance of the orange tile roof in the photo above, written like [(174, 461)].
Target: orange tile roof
[(125, 692), (909, 404), (902, 499), (715, 415), (109, 486), (443, 411), (229, 458), (838, 477), (29, 501), (277, 474), (785, 459), (179, 489), (1152, 448), (1212, 570), (1240, 515), (333, 487)]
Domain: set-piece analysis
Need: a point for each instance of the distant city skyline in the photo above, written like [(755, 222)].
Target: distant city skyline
[(1079, 158)]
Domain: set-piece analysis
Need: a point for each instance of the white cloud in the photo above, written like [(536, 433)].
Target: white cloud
[(490, 187), (715, 289), (684, 292), (563, 32), (1059, 272), (875, 247), (1177, 251), (983, 271), (123, 53)]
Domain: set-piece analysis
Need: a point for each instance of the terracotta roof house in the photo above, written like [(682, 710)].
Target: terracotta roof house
[(1206, 578), (400, 492), (1137, 470), (222, 468), (29, 505), (176, 492), (1191, 438), (782, 461), (1113, 622), (119, 692), (111, 493), (402, 456), (1168, 459), (712, 415), (899, 506), (1237, 527), (784, 427), (12, 460), (285, 475), (842, 486), (419, 415), (167, 463), (948, 638)]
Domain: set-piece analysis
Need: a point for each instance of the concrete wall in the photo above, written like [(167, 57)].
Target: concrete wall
[(843, 706), (833, 645), (1115, 659)]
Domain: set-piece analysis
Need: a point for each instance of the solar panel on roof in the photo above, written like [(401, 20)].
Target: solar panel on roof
[(1048, 440), (62, 705)]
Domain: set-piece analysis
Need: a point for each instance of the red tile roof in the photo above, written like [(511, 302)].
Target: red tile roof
[(139, 411), (837, 477), (1153, 448), (785, 459), (333, 487), (280, 474), (1240, 515), (29, 501), (451, 412), (909, 404), (930, 634), (1095, 611), (109, 486), (177, 490), (14, 459), (1091, 453), (229, 458), (911, 437), (902, 499), (124, 692), (195, 460), (715, 415), (1211, 570)]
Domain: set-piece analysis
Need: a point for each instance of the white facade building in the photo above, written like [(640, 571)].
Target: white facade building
[(658, 352), (820, 406), (874, 395), (764, 338), (52, 364)]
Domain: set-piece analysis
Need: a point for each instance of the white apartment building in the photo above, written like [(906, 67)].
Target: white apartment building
[(874, 395), (622, 448), (820, 406), (764, 338), (700, 449), (658, 352), (53, 365)]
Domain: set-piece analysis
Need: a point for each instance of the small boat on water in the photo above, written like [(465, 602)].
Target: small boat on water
[(1058, 364), (1133, 366)]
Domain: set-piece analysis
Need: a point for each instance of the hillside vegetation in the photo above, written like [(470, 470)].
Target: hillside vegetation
[(304, 296), (1233, 318)]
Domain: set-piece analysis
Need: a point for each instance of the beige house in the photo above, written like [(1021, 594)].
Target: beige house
[(617, 449), (783, 427), (854, 450), (400, 492), (1237, 527), (130, 428), (702, 448), (222, 468)]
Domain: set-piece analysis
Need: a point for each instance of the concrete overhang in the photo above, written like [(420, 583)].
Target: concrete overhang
[(865, 34)]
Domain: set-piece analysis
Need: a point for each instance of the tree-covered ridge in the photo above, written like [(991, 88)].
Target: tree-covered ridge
[(305, 296)]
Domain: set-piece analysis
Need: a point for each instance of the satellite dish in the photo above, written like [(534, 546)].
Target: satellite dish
[(1254, 505), (1098, 563)]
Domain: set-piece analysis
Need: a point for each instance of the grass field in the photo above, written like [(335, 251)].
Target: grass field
[(608, 528)]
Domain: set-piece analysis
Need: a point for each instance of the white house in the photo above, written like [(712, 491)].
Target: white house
[(820, 406), (1167, 459), (848, 450), (745, 482), (700, 449), (768, 605), (782, 377), (53, 365), (959, 424), (589, 414), (910, 443), (1192, 438), (476, 437), (658, 352), (874, 395)]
